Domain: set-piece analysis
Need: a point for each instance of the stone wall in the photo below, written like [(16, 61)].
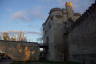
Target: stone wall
[(82, 38), (20, 51)]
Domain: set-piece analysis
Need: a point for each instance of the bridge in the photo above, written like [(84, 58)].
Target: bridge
[(20, 51)]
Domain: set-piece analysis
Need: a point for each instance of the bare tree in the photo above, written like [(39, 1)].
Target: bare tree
[(6, 36)]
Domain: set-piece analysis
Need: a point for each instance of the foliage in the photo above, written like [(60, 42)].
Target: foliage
[(14, 37)]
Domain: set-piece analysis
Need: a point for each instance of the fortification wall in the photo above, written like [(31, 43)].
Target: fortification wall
[(82, 38)]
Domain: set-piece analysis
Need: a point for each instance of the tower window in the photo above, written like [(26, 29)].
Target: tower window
[(49, 26), (45, 31), (47, 40), (51, 18)]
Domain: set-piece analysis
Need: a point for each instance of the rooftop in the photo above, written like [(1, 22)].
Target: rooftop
[(55, 9)]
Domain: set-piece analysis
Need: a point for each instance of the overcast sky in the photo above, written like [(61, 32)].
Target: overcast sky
[(28, 15)]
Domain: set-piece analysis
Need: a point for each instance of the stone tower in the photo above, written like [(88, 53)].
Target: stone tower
[(53, 31), (69, 9)]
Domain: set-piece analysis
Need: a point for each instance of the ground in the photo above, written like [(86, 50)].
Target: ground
[(9, 61), (5, 61), (45, 62)]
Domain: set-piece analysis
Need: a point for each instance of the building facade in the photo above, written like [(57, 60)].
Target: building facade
[(53, 31)]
